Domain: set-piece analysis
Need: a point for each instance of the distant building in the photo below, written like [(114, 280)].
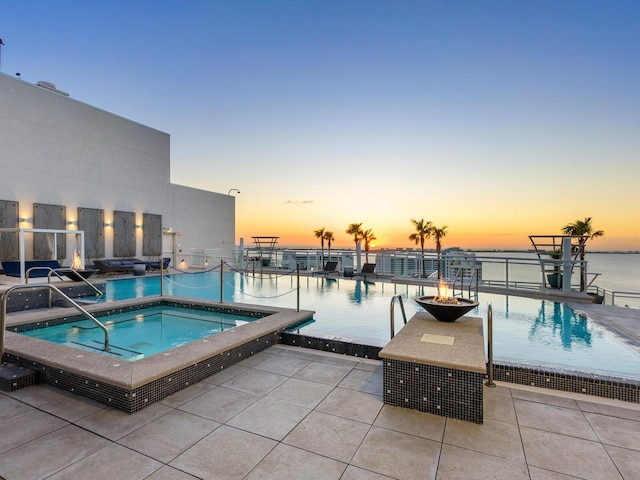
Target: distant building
[(69, 166)]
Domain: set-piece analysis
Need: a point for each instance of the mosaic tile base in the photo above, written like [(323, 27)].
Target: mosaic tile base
[(136, 399), (14, 377), (330, 345), (432, 389), (565, 381)]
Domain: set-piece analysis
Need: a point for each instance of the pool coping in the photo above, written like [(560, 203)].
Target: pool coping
[(93, 371)]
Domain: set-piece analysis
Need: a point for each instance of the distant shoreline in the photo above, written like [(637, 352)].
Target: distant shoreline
[(432, 250)]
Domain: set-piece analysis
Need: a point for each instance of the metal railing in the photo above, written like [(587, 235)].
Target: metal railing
[(392, 319), (489, 382), (3, 312), (57, 272), (614, 297)]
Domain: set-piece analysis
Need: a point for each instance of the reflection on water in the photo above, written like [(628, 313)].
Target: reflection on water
[(361, 291), (557, 320)]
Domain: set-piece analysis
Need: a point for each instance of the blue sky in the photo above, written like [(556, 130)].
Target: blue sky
[(497, 119)]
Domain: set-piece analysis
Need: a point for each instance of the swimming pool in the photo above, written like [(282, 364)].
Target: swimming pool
[(138, 334), (539, 333)]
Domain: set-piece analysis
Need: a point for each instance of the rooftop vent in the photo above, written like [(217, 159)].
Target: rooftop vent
[(52, 87)]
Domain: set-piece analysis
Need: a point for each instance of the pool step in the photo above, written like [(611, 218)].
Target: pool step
[(14, 377), (113, 349)]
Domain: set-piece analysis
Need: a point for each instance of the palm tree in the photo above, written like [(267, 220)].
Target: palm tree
[(328, 236), (320, 234), (582, 227), (355, 229), (439, 234), (368, 237), (423, 231)]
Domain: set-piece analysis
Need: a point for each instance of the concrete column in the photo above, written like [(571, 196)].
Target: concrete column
[(566, 266), (242, 253)]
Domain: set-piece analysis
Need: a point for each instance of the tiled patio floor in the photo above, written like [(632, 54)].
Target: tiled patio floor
[(289, 413)]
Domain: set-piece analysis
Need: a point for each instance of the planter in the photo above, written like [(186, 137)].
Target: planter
[(555, 280)]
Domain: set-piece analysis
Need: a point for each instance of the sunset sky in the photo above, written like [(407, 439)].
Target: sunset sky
[(498, 119)]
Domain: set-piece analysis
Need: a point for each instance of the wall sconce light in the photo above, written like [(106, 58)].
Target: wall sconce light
[(138, 226), (25, 220), (72, 222), (108, 224)]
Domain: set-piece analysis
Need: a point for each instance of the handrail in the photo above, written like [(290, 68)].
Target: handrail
[(82, 279), (489, 382), (57, 272), (392, 313), (49, 269), (3, 312)]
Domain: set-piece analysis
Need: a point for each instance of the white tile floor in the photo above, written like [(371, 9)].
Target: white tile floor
[(290, 413)]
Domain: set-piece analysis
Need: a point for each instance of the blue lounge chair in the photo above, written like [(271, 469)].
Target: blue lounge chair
[(156, 265)]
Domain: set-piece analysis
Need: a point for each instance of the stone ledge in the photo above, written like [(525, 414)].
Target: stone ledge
[(466, 353)]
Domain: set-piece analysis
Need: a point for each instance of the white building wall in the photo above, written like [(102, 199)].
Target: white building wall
[(56, 150)]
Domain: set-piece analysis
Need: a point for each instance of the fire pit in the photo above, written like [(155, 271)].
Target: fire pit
[(444, 307), (78, 275), (77, 271), (446, 311)]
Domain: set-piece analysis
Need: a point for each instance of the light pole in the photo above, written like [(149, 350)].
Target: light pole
[(233, 190)]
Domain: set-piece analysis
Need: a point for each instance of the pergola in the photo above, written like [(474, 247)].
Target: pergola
[(21, 242)]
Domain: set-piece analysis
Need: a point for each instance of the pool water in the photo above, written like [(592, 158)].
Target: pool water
[(527, 331), (141, 333)]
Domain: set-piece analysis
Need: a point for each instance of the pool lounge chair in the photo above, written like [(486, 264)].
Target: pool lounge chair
[(329, 268), (12, 268), (368, 270), (156, 265)]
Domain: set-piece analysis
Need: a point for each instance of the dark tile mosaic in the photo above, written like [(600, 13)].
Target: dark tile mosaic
[(330, 345), (29, 299), (136, 399), (433, 389), (14, 377), (569, 381)]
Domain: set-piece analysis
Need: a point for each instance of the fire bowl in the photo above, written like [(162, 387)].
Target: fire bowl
[(77, 274), (446, 312)]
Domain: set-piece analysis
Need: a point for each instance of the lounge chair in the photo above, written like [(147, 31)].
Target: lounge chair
[(368, 270), (114, 266), (156, 265), (12, 268), (329, 268)]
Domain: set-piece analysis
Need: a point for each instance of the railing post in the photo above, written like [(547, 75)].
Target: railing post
[(221, 281), (489, 382), (298, 287), (162, 276), (392, 321), (506, 273), (392, 313)]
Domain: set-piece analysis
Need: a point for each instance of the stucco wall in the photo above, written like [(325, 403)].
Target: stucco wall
[(56, 150)]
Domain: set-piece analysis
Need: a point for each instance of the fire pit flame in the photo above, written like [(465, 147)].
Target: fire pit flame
[(76, 264), (443, 294)]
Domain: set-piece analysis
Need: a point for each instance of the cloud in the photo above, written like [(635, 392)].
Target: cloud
[(298, 202)]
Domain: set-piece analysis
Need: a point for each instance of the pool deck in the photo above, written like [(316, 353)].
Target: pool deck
[(288, 413), (293, 413)]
